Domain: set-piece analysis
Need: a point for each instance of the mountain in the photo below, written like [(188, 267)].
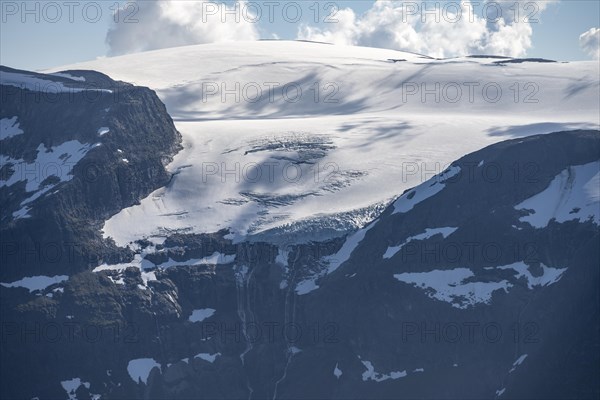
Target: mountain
[(75, 150), (486, 280), (430, 250)]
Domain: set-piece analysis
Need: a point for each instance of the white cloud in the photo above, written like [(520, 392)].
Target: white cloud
[(162, 24), (457, 29), (590, 42)]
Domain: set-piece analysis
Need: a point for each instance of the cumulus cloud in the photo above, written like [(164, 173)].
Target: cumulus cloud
[(152, 25), (590, 42), (456, 29)]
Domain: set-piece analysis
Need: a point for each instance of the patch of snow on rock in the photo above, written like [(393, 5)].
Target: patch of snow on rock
[(9, 127), (306, 286), (69, 76), (337, 371), (429, 232), (139, 369), (452, 286), (34, 283), (215, 259), (201, 314), (207, 357), (549, 277), (70, 386), (518, 362), (424, 191), (574, 194), (343, 254), (33, 83), (371, 374)]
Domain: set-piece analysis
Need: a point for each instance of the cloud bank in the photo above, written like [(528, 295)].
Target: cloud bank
[(500, 27), (152, 25), (456, 30), (590, 42)]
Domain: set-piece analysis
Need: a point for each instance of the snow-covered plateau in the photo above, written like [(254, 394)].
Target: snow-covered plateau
[(294, 141)]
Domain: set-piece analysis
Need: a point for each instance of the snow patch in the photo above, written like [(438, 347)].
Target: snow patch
[(34, 283), (282, 257), (518, 362), (36, 84), (451, 286), (143, 264), (9, 127), (337, 372), (215, 259), (549, 276), (459, 288), (334, 261), (139, 369), (429, 232), (371, 374), (23, 212), (306, 286), (55, 161), (208, 357), (69, 76), (343, 254), (70, 386), (103, 131), (201, 314), (574, 194), (148, 276), (424, 191), (117, 281)]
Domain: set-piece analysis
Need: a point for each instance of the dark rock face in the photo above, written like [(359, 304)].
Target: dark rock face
[(61, 233), (63, 223), (452, 294), (404, 326)]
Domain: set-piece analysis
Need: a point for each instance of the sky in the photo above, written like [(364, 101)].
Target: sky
[(36, 35)]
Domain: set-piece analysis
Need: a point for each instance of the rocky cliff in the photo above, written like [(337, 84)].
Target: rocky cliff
[(482, 282)]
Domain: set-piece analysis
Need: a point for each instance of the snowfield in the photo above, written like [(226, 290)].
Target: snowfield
[(284, 139)]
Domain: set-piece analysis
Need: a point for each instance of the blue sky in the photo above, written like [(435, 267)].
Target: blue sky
[(54, 39)]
